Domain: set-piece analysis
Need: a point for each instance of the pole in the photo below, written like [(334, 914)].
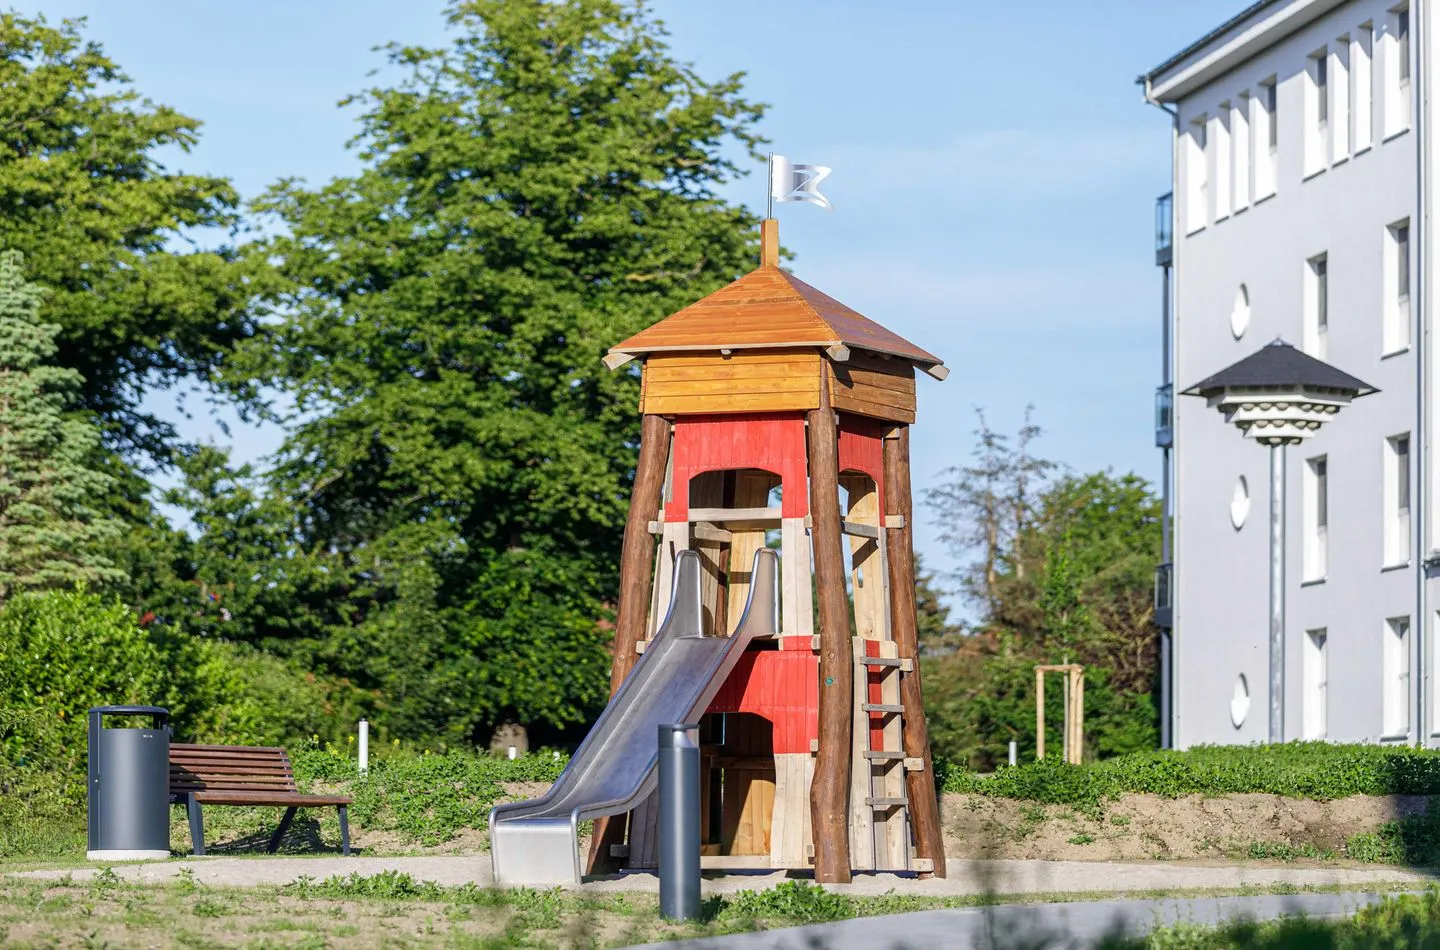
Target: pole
[(364, 745), (1065, 713), (1277, 593), (769, 184), (1014, 752), (679, 755)]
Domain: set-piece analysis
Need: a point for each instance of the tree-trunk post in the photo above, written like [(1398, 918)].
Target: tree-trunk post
[(632, 612), (829, 789), (900, 545)]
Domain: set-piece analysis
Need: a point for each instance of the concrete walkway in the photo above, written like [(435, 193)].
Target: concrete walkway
[(1031, 926), (966, 877)]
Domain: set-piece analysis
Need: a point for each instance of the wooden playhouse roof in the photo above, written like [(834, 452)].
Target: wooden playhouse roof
[(769, 308)]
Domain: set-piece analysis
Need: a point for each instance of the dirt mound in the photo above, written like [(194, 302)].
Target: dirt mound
[(1148, 827)]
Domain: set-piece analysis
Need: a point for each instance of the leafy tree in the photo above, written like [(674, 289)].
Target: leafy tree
[(50, 533), (532, 193), (105, 227), (1063, 570)]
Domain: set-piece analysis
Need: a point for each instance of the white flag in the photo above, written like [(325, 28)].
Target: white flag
[(792, 182)]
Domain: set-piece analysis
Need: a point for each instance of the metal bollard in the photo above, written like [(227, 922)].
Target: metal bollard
[(1014, 751), (364, 745), (680, 821)]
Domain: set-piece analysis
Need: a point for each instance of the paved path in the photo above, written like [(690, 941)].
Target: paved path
[(1029, 926), (966, 877)]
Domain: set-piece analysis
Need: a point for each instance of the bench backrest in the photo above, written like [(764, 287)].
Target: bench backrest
[(229, 768)]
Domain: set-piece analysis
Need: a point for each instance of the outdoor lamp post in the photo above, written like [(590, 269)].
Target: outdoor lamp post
[(1279, 396)]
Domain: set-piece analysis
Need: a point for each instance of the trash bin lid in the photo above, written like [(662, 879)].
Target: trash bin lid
[(130, 711)]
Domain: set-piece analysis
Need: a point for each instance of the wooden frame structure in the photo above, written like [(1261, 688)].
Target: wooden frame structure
[(772, 413), (1074, 713)]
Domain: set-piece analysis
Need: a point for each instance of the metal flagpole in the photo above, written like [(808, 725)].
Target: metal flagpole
[(769, 184), (1277, 592)]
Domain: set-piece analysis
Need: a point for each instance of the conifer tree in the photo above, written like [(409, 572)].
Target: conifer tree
[(50, 532)]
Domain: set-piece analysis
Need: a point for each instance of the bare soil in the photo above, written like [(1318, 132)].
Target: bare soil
[(1148, 827)]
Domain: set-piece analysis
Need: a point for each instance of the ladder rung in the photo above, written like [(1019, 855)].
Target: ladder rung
[(882, 661), (882, 707), (895, 756), (886, 802)]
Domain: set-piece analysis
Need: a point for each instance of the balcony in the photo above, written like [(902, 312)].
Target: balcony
[(1164, 230), (1165, 416), (1164, 604)]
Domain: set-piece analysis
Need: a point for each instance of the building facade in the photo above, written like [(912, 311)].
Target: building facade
[(1303, 178)]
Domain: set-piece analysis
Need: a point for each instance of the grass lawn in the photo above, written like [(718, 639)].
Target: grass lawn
[(393, 910)]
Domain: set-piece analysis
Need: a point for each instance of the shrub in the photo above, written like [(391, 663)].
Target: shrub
[(1315, 770)]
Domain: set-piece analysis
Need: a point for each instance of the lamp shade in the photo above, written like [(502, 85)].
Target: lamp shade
[(1279, 395)]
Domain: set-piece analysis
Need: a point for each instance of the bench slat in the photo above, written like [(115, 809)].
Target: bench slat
[(216, 757), (296, 799), (229, 769), (194, 746)]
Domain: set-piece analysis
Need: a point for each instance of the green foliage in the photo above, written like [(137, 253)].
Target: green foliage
[(531, 193), (1315, 770), (98, 217), (792, 900), (62, 652), (1399, 922), (1413, 840), (1062, 572), (50, 531), (427, 798)]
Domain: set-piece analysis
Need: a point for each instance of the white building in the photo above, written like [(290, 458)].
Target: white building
[(1304, 178)]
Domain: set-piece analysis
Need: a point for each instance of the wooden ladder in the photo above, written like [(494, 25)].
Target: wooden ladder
[(880, 809)]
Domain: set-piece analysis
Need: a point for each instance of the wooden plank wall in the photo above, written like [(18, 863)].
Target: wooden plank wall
[(872, 386), (744, 381)]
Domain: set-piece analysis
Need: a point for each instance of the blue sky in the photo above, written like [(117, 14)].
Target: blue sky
[(994, 173)]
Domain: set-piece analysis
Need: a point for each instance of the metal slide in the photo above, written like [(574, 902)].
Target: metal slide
[(613, 771)]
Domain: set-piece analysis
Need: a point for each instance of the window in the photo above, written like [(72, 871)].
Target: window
[(1397, 72), (1197, 173), (1362, 92), (1317, 517), (1402, 37), (1397, 500), (1240, 150), (1339, 83), (1395, 691), (1396, 335), (1219, 146), (1317, 111), (1265, 129), (1317, 306), (1313, 711)]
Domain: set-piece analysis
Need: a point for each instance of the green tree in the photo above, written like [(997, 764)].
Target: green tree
[(532, 193), (1067, 577), (50, 531), (109, 231)]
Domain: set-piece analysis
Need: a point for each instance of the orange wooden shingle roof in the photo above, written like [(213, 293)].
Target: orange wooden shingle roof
[(769, 308)]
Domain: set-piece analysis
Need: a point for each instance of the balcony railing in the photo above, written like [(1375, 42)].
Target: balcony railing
[(1164, 593), (1165, 416), (1164, 229)]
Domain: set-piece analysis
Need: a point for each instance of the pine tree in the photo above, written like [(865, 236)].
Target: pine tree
[(49, 532)]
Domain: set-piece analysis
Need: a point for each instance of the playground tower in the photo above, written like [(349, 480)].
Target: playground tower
[(773, 411)]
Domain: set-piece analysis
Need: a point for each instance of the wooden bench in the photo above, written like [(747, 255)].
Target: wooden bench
[(243, 775)]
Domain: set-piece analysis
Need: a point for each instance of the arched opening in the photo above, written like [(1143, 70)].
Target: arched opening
[(732, 512)]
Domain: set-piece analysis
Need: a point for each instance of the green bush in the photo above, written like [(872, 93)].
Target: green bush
[(427, 798), (1402, 922), (1314, 770), (63, 652)]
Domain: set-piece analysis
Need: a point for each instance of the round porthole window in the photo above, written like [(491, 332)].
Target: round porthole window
[(1240, 313), (1240, 503), (1240, 701)]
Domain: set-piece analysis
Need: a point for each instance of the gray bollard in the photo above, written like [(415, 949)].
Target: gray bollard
[(1014, 751), (680, 821)]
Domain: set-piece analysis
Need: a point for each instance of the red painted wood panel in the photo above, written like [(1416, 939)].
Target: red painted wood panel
[(774, 442), (861, 450), (781, 685)]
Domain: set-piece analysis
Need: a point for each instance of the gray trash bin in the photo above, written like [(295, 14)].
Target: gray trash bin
[(129, 816)]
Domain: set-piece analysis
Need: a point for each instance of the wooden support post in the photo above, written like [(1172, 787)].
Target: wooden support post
[(900, 558), (1039, 713), (829, 790), (633, 609)]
